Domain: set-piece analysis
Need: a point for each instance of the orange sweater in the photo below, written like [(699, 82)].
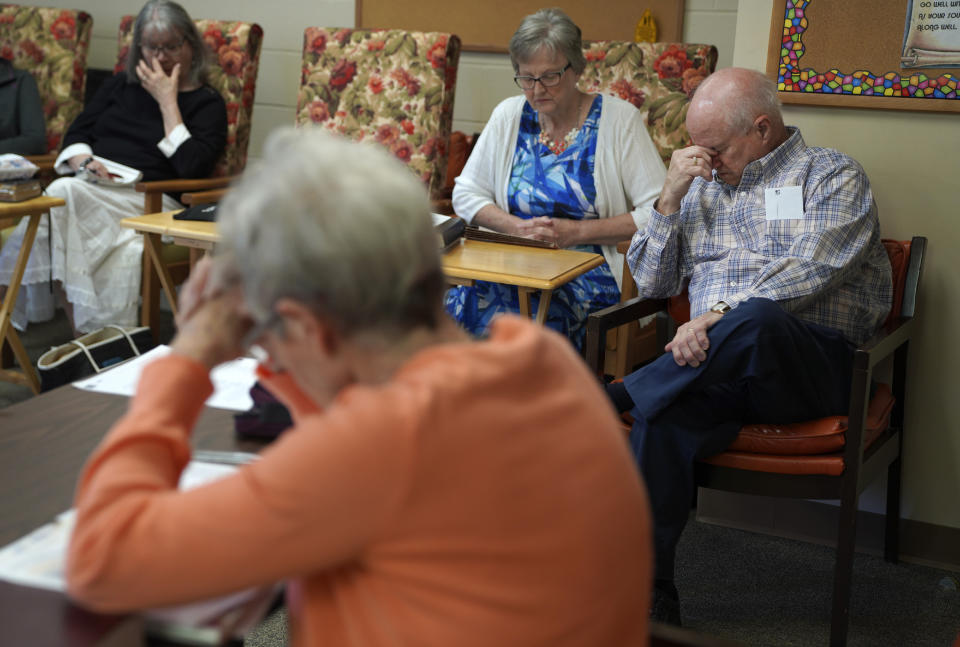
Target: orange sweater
[(484, 496)]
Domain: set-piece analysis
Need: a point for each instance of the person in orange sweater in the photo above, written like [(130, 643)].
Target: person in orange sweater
[(434, 490)]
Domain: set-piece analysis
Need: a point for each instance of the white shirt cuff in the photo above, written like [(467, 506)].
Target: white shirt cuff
[(169, 144), (62, 165)]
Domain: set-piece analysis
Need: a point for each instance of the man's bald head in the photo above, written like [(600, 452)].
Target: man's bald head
[(737, 96), (735, 115)]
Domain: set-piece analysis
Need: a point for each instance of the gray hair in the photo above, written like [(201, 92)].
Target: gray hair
[(166, 14), (749, 94), (341, 227), (550, 29)]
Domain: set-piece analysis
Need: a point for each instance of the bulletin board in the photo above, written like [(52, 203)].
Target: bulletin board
[(848, 53), (487, 26)]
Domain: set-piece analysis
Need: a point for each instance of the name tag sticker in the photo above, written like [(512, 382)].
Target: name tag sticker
[(784, 203)]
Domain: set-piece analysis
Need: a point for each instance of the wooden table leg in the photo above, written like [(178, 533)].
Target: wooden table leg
[(544, 306), (7, 332), (523, 296), (152, 245)]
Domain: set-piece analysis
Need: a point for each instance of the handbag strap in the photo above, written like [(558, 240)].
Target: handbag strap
[(83, 347), (133, 345)]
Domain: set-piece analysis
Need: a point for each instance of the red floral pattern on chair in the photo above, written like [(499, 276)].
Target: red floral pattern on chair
[(394, 87), (52, 45), (658, 78), (235, 57)]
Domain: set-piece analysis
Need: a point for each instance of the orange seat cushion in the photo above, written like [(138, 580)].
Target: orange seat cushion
[(814, 447), (809, 447), (814, 436)]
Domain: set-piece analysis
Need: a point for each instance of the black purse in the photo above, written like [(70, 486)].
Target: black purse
[(92, 353)]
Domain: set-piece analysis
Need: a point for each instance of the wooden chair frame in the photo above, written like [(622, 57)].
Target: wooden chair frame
[(862, 464)]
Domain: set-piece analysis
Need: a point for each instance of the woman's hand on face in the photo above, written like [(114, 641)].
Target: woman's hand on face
[(154, 80)]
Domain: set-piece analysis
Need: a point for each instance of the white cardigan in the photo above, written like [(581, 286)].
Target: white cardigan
[(628, 172)]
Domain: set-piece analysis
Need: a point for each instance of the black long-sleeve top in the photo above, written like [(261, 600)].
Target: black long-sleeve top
[(22, 129), (123, 123)]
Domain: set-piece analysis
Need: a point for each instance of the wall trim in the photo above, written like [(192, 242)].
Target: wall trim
[(921, 543)]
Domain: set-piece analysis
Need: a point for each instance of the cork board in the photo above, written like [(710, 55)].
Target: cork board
[(487, 26), (848, 54)]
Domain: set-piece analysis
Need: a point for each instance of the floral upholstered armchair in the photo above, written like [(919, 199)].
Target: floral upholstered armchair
[(658, 78), (235, 57), (52, 45), (394, 87)]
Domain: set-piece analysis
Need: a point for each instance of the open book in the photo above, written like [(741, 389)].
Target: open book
[(490, 236), (38, 560), (120, 175)]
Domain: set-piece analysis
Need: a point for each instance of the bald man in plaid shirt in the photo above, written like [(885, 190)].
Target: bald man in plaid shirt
[(780, 244)]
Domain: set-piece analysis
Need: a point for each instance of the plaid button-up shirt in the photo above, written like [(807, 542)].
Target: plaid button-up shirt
[(828, 267)]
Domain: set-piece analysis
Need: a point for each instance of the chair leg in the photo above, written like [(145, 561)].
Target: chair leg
[(891, 535), (843, 573)]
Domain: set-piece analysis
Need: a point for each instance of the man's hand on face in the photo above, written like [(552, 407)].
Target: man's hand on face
[(685, 165)]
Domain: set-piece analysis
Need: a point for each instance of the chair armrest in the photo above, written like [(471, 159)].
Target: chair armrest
[(443, 206), (45, 162), (623, 246), (182, 186), (599, 322), (153, 198), (203, 197), (887, 340)]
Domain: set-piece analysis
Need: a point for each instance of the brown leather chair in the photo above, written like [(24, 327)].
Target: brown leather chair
[(830, 458)]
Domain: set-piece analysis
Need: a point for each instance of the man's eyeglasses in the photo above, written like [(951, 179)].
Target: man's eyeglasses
[(548, 80), (168, 49)]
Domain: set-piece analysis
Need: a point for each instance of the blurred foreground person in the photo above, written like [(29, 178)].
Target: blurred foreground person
[(434, 490)]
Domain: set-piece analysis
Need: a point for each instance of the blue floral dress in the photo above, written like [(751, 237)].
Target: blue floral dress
[(545, 184)]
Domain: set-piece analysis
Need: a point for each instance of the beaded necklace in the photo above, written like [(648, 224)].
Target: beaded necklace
[(557, 147)]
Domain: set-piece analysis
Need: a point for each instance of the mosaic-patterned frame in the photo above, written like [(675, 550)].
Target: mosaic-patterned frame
[(887, 90)]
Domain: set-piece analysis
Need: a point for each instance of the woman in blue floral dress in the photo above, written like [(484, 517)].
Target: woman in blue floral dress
[(559, 165)]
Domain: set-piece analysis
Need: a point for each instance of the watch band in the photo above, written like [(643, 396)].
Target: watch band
[(720, 307), (84, 163)]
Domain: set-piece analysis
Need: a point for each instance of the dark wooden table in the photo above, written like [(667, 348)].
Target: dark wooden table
[(44, 442)]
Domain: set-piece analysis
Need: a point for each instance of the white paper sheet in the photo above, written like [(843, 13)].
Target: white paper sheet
[(231, 381), (38, 560)]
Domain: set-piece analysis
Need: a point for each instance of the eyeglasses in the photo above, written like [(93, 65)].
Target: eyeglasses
[(169, 50), (547, 80)]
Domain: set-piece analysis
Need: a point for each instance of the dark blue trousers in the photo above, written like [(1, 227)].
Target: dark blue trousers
[(763, 365)]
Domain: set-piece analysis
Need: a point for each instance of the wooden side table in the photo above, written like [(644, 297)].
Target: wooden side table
[(10, 212)]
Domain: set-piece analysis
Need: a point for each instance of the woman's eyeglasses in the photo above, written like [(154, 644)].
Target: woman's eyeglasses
[(548, 80), (167, 49)]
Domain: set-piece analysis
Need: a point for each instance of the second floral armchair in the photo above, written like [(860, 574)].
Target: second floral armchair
[(658, 78), (393, 87)]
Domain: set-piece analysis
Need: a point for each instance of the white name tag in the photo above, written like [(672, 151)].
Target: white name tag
[(784, 203)]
